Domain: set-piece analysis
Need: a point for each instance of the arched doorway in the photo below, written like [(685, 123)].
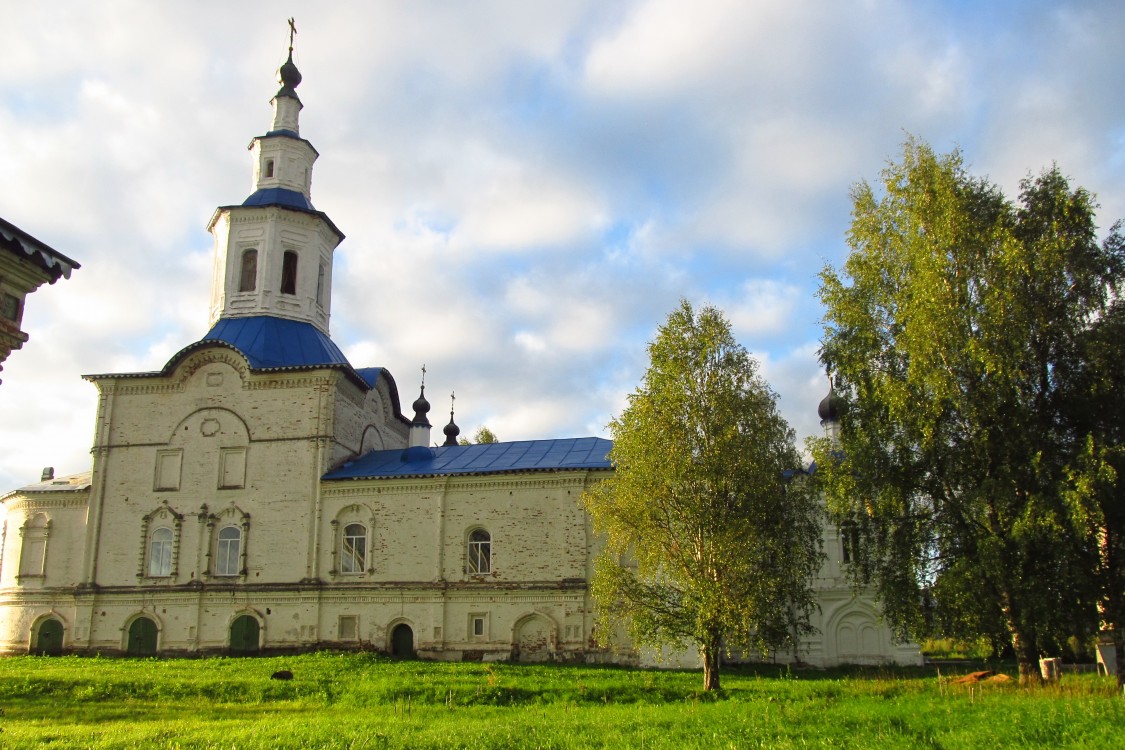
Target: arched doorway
[(402, 641), (142, 637), (48, 638), (244, 635), (533, 640)]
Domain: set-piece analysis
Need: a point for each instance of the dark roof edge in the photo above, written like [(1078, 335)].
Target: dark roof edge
[(475, 473), (323, 216), (46, 256), (395, 403)]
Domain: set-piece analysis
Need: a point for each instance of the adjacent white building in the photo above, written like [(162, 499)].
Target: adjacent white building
[(259, 492)]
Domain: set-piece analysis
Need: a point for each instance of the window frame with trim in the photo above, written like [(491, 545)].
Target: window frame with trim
[(478, 552), (35, 533), (160, 552), (222, 561), (163, 517), (353, 557), (248, 271)]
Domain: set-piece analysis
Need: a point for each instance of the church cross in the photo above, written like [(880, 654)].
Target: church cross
[(292, 32)]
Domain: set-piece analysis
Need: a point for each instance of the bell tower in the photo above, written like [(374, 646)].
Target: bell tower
[(273, 253)]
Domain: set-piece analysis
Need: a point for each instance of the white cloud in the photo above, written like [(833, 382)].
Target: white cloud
[(527, 188)]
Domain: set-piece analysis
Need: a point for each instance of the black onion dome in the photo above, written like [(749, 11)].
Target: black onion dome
[(830, 407), (289, 78), (421, 407), (451, 431)]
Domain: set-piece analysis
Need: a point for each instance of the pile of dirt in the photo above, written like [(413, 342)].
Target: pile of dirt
[(972, 678)]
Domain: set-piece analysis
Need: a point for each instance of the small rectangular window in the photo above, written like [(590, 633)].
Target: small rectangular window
[(232, 468), (478, 625), (269, 168), (168, 470)]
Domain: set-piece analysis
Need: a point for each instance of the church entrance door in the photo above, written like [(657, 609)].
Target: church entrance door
[(244, 633), (402, 642), (142, 638), (49, 639)]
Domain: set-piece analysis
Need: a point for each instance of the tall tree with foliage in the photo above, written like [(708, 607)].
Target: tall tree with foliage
[(946, 330), (1096, 384), (711, 538)]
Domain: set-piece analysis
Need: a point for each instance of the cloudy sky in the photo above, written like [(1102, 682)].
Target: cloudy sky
[(527, 188)]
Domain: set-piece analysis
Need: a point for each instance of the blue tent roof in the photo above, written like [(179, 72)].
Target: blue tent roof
[(485, 458), (276, 342)]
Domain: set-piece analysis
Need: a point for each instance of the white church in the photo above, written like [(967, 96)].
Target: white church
[(259, 493)]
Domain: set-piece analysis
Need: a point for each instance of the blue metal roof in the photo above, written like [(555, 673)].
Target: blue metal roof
[(276, 342), (280, 197), (371, 375), (484, 458)]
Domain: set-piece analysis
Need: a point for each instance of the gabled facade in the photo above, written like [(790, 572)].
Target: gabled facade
[(260, 493)]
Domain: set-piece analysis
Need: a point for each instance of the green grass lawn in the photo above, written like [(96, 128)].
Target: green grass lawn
[(364, 701)]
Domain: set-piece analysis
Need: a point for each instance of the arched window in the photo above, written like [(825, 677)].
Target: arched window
[(269, 168), (289, 272), (248, 278), (228, 551), (320, 274), (160, 552), (480, 552), (353, 549)]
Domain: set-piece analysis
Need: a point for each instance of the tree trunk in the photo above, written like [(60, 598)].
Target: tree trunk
[(712, 656), (1026, 655)]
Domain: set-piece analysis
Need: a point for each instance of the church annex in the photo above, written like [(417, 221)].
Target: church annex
[(260, 493)]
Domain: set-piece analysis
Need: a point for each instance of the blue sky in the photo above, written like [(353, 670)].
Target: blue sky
[(527, 188)]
